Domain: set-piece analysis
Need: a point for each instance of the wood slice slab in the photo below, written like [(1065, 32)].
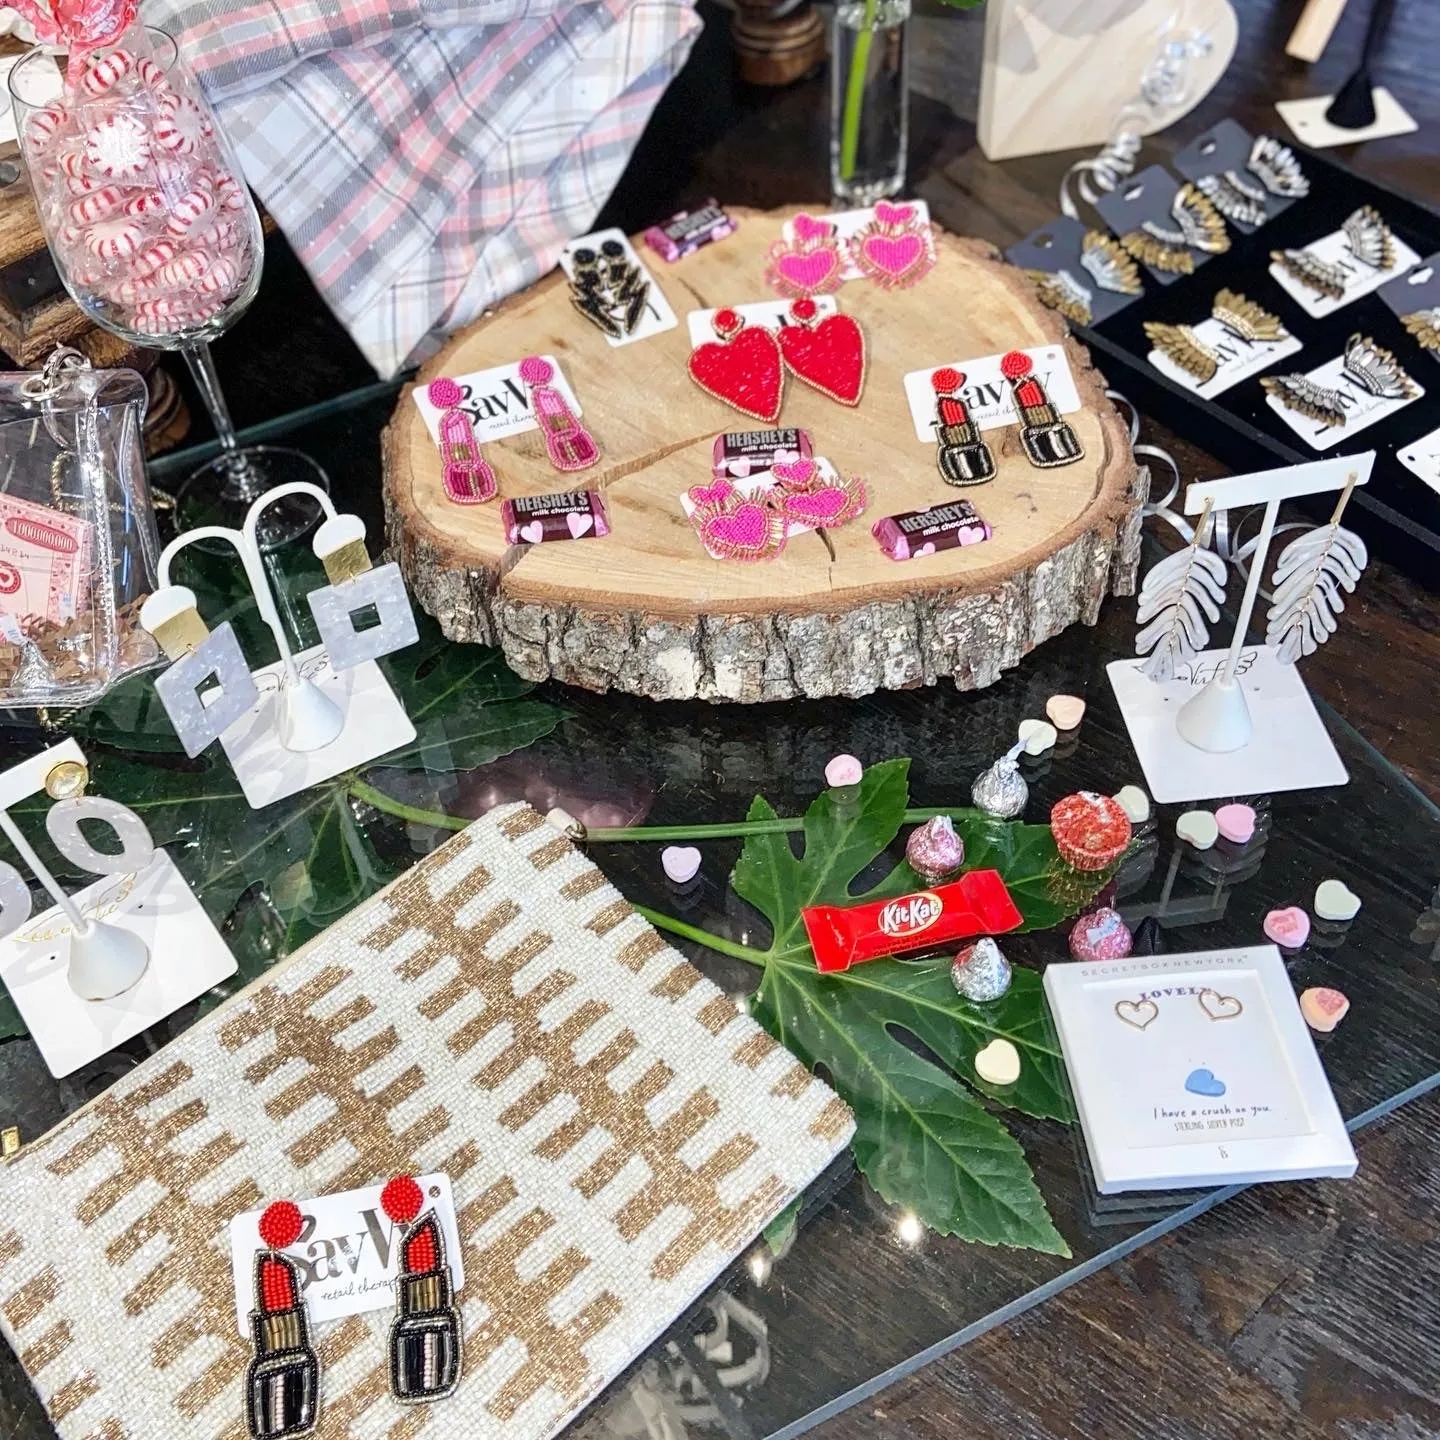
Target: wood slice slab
[(646, 610)]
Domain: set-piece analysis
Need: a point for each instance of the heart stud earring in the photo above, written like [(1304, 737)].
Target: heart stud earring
[(282, 1382), (567, 441), (744, 368), (425, 1348), (896, 249), (1137, 1013), (808, 264), (962, 455), (468, 479), (1048, 440), (1220, 1007), (827, 355)]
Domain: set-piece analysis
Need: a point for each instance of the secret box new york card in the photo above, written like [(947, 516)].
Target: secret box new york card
[(1195, 1070)]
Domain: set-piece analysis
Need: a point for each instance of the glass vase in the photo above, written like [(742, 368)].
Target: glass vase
[(869, 100)]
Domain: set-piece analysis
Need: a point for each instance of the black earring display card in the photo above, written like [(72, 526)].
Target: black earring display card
[(1219, 163), (1399, 510), (1171, 233), (1415, 298), (1092, 274)]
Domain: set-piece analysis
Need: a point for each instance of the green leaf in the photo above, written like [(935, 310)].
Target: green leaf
[(779, 1234), (923, 1139)]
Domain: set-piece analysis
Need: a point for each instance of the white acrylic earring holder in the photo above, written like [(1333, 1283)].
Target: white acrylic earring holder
[(1236, 721), (311, 723), (153, 908)]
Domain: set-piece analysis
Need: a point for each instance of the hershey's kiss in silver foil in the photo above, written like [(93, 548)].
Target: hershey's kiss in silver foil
[(934, 850), (980, 972), (1001, 791)]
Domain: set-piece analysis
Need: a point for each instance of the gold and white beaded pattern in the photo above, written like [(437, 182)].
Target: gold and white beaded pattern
[(616, 1132)]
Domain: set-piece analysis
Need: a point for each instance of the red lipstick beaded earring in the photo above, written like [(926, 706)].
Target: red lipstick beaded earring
[(425, 1336), (282, 1382)]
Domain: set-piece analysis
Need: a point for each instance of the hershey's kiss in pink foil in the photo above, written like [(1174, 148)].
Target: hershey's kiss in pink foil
[(934, 850)]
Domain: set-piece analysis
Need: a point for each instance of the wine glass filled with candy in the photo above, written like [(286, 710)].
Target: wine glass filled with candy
[(153, 231)]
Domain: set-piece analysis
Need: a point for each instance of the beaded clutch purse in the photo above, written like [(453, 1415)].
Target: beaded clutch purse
[(614, 1129)]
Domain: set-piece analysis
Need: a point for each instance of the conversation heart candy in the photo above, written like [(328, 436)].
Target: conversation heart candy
[(1236, 822), (843, 770), (1198, 828), (998, 1063), (681, 863), (1288, 927), (1323, 1008), (1335, 900), (1065, 711), (1037, 736), (1134, 802)]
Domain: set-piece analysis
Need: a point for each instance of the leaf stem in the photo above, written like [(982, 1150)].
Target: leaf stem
[(662, 921), (737, 829), (381, 801), (855, 90)]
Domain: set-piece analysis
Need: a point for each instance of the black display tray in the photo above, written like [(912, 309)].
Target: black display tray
[(1397, 512)]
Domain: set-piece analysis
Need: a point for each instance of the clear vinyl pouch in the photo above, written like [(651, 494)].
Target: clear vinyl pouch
[(78, 544)]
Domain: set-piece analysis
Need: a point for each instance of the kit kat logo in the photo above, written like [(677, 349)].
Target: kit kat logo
[(36, 533), (912, 914)]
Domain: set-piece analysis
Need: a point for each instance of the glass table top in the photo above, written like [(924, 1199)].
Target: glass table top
[(856, 1294)]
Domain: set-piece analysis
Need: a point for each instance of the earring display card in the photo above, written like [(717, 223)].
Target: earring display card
[(655, 317), (375, 723), (348, 1254), (1235, 357), (496, 400), (1359, 407), (987, 394), (1289, 749), (1415, 299), (187, 958), (1059, 249), (769, 313), (1356, 276), (1220, 158), (1146, 208), (1195, 1070), (1422, 457)]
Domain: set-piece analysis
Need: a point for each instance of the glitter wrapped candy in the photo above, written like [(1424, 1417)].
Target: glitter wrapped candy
[(934, 850), (980, 972), (1001, 791), (1090, 830), (1100, 935)]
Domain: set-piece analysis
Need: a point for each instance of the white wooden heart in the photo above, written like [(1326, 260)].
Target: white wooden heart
[(1057, 72)]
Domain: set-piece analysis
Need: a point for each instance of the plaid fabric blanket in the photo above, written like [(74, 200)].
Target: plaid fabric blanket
[(426, 158)]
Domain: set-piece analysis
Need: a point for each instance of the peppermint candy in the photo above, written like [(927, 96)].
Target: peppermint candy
[(229, 191), (82, 184), (190, 208), (118, 147), (152, 257), (72, 163), (143, 203), (97, 205), (222, 278), (114, 239), (104, 75), (44, 125), (182, 125), (183, 269), (152, 77), (128, 290), (159, 324), (223, 235), (162, 307)]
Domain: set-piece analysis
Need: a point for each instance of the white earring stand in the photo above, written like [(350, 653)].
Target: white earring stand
[(1237, 721), (84, 984), (300, 733)]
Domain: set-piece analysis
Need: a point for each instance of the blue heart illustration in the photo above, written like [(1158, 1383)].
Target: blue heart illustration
[(1203, 1082)]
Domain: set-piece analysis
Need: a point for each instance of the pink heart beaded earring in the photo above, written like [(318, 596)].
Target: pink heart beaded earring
[(806, 259)]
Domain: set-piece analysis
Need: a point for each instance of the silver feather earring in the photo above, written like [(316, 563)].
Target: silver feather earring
[(1178, 596), (1309, 578)]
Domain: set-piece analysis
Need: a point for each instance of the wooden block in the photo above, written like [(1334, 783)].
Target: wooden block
[(1313, 29), (647, 610), (1056, 75)]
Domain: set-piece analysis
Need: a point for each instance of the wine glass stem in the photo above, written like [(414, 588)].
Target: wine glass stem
[(242, 481)]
